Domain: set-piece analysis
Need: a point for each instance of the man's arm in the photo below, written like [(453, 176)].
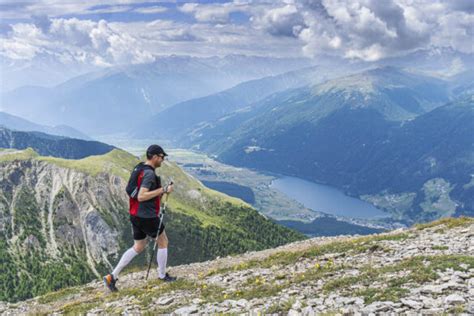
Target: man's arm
[(148, 182), (149, 179), (145, 194)]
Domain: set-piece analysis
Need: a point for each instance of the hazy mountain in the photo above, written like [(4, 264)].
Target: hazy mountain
[(394, 94), (44, 69), (51, 145), (113, 100), (381, 134), (462, 84), (181, 118), (16, 123), (440, 61)]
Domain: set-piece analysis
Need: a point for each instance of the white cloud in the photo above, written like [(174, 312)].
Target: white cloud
[(109, 9), (74, 40), (56, 8), (151, 10), (456, 30), (360, 29), (214, 13), (164, 37), (370, 29), (285, 21)]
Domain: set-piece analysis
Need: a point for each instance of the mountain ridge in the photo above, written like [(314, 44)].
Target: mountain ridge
[(428, 268), (342, 141), (52, 145), (64, 222), (119, 96), (16, 123)]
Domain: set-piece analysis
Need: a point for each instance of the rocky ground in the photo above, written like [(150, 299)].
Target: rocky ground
[(427, 269)]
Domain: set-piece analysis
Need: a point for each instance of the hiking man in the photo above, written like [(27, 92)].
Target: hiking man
[(144, 214)]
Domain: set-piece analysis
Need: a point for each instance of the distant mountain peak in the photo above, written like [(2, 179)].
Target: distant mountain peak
[(373, 80)]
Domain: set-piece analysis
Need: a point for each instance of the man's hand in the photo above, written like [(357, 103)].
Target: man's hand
[(168, 188)]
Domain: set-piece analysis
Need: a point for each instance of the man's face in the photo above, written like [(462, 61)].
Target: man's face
[(157, 160)]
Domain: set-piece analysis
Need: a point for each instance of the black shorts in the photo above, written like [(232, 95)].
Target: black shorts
[(143, 227)]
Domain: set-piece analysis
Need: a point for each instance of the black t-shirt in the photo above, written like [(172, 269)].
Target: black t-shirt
[(148, 209)]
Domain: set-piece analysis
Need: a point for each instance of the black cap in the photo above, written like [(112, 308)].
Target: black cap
[(155, 150)]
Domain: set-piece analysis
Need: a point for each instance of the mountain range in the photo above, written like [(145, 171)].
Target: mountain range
[(116, 99), (179, 119), (19, 124), (401, 140), (52, 145)]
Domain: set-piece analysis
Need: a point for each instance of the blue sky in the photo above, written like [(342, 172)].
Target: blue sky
[(115, 32)]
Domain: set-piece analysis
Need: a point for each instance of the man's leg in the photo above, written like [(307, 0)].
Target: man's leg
[(111, 278), (162, 256), (137, 248)]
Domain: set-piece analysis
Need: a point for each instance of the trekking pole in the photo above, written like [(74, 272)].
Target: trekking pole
[(162, 213)]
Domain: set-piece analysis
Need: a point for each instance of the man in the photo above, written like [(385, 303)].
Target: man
[(144, 216)]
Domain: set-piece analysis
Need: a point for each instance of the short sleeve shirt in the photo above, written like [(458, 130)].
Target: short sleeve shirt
[(150, 181)]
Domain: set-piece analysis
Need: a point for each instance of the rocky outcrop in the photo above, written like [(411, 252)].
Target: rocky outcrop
[(68, 208)]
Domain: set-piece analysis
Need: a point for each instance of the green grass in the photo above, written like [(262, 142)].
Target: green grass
[(205, 219), (117, 162), (393, 291), (436, 247), (58, 295), (79, 308), (153, 289), (449, 222), (280, 307), (143, 294), (260, 291), (458, 309), (355, 245), (421, 269), (13, 154)]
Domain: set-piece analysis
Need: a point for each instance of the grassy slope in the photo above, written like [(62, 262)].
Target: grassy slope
[(418, 270), (200, 226)]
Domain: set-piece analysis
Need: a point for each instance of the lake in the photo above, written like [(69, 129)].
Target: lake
[(327, 199)]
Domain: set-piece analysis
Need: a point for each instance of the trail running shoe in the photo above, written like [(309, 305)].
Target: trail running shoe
[(109, 282), (168, 278)]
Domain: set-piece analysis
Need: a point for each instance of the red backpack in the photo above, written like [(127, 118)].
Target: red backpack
[(133, 186)]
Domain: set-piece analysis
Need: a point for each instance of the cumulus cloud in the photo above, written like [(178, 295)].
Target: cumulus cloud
[(285, 21), (358, 29), (151, 10), (77, 40), (455, 30), (371, 29), (213, 13)]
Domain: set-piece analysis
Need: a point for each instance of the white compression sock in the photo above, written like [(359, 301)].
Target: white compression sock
[(161, 259), (126, 258)]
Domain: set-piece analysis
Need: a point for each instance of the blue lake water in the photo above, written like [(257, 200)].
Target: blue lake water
[(327, 199)]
